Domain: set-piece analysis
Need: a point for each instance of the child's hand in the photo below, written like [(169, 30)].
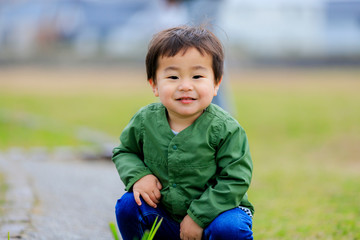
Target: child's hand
[(190, 229), (148, 187)]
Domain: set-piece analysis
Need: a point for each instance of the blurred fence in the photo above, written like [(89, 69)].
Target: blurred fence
[(253, 30)]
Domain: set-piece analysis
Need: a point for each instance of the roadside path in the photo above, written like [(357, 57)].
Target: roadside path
[(54, 197)]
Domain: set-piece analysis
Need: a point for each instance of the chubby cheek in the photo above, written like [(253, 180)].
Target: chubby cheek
[(165, 94), (208, 93)]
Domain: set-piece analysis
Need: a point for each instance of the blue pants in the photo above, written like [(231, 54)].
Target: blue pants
[(133, 220)]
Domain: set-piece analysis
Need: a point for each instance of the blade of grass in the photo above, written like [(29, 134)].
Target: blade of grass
[(114, 231), (154, 230), (146, 235), (153, 226)]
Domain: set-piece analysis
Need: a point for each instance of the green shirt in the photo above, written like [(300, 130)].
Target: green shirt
[(205, 169)]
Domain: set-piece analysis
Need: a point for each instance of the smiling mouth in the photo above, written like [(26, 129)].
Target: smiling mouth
[(186, 99)]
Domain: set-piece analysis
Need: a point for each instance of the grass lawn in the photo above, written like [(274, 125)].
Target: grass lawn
[(303, 127), (3, 188)]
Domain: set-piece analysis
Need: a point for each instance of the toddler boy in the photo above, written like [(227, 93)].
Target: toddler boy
[(184, 159)]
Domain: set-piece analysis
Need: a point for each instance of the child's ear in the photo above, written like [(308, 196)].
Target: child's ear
[(154, 87), (217, 85)]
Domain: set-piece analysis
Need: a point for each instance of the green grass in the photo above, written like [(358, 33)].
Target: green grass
[(114, 231), (148, 234), (52, 117), (3, 188), (29, 120), (303, 127)]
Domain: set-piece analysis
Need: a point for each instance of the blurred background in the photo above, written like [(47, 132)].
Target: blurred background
[(72, 74), (80, 30)]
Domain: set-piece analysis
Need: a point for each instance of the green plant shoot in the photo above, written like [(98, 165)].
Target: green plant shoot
[(114, 231), (150, 235)]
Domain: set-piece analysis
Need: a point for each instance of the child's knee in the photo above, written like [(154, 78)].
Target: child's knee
[(230, 232), (230, 225), (125, 205)]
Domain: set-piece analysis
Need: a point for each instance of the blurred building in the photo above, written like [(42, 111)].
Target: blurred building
[(294, 28), (121, 29)]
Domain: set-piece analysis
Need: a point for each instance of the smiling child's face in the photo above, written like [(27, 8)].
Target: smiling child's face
[(185, 84)]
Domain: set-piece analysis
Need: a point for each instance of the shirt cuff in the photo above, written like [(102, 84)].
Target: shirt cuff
[(196, 219)]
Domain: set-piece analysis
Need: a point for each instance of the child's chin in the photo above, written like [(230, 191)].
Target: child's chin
[(189, 113)]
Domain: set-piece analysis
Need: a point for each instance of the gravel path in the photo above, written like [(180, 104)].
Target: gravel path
[(54, 197)]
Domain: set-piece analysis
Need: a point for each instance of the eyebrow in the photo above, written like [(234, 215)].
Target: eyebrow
[(197, 67), (170, 68)]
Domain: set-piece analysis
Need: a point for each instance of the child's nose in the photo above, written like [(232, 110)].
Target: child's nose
[(185, 85)]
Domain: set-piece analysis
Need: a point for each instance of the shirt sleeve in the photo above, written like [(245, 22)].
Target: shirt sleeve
[(232, 180), (128, 156)]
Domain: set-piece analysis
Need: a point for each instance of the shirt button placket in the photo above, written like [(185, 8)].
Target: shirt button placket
[(173, 168)]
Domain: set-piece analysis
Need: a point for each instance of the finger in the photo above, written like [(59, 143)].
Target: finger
[(137, 198), (154, 198), (148, 200), (158, 185), (157, 194), (182, 235)]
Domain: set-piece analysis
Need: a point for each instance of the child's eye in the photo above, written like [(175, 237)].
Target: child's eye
[(173, 77), (197, 76)]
